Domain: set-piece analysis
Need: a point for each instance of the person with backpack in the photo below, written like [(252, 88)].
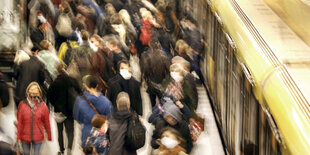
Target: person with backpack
[(65, 48), (121, 125)]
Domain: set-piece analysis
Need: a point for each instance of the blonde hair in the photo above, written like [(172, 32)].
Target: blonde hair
[(182, 47), (125, 16), (110, 9), (45, 44), (145, 14), (177, 68), (123, 101), (31, 85)]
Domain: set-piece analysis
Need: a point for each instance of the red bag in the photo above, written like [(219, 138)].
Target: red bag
[(195, 129), (145, 36)]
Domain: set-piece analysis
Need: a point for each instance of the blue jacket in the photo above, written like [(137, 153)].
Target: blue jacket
[(83, 112)]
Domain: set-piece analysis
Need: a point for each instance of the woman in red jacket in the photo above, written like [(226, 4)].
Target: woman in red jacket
[(32, 115)]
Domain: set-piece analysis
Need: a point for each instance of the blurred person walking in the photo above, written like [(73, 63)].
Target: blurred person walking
[(62, 94)]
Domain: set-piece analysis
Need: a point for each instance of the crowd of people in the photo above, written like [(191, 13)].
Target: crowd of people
[(88, 62)]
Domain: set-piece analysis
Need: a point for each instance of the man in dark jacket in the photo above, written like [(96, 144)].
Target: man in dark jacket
[(118, 126), (27, 72), (172, 117), (125, 82), (62, 93)]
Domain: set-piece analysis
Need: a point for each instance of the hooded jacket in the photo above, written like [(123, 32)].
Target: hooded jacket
[(117, 131), (30, 122)]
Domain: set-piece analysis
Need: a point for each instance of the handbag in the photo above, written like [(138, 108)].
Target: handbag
[(196, 127)]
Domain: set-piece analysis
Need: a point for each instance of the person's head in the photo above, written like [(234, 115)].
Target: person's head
[(123, 101), (97, 42), (91, 83), (89, 149), (179, 60), (125, 15), (177, 72), (98, 121), (41, 18), (113, 44), (116, 19), (172, 114), (45, 44), (35, 49), (170, 138), (85, 35), (181, 47), (110, 9), (61, 67), (124, 69), (33, 92)]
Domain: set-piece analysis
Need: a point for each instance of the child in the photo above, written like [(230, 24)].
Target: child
[(97, 136), (170, 143)]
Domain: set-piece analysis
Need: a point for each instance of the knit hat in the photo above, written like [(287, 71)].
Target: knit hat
[(171, 109)]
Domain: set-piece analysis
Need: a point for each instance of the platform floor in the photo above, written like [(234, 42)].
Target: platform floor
[(209, 141)]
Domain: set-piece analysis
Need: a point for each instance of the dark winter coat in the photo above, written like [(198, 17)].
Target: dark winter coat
[(30, 124), (131, 86), (27, 72), (117, 131), (84, 113), (62, 93)]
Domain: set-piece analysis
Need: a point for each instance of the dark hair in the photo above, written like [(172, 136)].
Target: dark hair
[(91, 81), (88, 149), (35, 48), (123, 61), (176, 133), (98, 121)]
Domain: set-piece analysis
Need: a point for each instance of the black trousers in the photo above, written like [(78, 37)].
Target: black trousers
[(69, 125)]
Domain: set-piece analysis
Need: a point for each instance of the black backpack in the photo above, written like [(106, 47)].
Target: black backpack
[(68, 54), (135, 135)]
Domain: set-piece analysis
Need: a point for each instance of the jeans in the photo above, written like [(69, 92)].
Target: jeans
[(27, 147)]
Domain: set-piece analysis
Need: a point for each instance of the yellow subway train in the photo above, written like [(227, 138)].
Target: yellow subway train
[(257, 68)]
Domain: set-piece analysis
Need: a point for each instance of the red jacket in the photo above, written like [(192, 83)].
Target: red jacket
[(30, 124)]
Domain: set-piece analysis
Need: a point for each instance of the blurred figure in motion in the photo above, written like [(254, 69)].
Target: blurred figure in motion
[(5, 140), (85, 106), (118, 123), (32, 116), (62, 94), (50, 59), (29, 71), (170, 143)]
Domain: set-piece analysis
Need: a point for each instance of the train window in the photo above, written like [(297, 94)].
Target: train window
[(250, 120), (268, 145)]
